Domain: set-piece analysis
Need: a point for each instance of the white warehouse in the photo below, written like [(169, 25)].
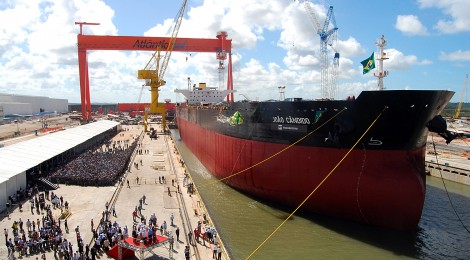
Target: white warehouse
[(30, 105)]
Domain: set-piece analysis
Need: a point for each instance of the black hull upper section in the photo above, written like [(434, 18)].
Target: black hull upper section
[(404, 115)]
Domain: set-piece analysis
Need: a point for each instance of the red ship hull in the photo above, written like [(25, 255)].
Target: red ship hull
[(379, 187)]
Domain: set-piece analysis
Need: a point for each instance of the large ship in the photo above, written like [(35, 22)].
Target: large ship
[(361, 158)]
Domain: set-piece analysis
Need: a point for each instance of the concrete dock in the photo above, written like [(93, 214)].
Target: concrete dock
[(448, 161), (158, 159)]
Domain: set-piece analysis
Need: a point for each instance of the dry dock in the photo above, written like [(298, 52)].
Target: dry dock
[(449, 161), (158, 159)]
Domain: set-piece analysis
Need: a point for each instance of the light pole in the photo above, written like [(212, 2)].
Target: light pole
[(281, 93), (17, 127)]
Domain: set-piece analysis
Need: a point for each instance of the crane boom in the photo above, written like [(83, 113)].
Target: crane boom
[(174, 34), (464, 89), (328, 81), (312, 16), (155, 68)]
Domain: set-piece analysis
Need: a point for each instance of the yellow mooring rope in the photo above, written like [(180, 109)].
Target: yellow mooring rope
[(274, 155), (445, 187), (318, 186)]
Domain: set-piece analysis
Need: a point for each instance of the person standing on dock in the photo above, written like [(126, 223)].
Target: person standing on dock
[(214, 251), (164, 227), (172, 240), (186, 252), (219, 253), (196, 235), (190, 237), (65, 225)]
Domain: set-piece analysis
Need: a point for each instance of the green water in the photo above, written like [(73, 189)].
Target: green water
[(245, 223)]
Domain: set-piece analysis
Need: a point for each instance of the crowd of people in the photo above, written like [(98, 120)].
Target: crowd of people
[(101, 167), (144, 230), (43, 233)]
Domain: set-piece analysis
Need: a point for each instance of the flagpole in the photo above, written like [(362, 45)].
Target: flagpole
[(381, 56)]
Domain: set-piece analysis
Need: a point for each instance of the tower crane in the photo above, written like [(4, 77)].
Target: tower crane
[(154, 72), (327, 37), (464, 89), (334, 70)]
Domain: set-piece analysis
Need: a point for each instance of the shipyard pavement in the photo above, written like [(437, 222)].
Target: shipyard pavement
[(158, 158)]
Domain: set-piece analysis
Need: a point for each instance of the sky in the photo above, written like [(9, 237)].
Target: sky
[(274, 43)]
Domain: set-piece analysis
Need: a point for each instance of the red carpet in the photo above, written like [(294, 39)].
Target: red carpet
[(114, 251)]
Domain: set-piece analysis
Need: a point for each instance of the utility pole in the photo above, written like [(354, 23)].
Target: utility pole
[(282, 96)]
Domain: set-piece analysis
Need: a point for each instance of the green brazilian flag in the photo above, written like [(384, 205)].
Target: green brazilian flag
[(368, 64)]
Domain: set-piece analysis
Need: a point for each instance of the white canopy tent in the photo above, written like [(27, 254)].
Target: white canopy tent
[(17, 159), (3, 192)]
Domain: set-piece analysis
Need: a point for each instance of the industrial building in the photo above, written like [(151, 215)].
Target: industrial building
[(30, 105), (23, 160)]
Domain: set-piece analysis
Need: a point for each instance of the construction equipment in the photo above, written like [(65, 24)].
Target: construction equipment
[(154, 72), (334, 70), (462, 95), (327, 37)]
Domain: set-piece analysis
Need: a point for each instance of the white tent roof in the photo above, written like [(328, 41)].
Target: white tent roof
[(19, 157)]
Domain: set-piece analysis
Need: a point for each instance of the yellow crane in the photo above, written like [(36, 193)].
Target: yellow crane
[(155, 69), (464, 89)]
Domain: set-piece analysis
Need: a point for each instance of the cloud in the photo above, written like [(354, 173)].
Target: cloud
[(410, 25), (244, 20), (455, 56), (399, 61), (39, 53), (350, 48), (458, 19)]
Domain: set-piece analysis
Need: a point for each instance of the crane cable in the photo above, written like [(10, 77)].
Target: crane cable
[(445, 187), (318, 186), (276, 154)]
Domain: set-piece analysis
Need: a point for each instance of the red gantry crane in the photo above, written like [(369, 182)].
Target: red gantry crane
[(221, 46)]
